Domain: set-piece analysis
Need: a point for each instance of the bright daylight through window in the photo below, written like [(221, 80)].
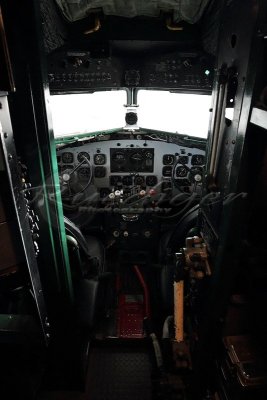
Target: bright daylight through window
[(75, 114)]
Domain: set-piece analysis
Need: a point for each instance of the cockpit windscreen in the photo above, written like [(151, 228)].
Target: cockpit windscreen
[(77, 114)]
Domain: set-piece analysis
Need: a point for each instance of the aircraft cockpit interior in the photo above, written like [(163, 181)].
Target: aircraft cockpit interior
[(133, 200)]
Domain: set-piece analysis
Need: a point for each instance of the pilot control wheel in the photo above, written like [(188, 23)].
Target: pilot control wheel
[(186, 180), (75, 180)]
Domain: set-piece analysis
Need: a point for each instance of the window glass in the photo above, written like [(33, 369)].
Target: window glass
[(91, 112), (174, 112)]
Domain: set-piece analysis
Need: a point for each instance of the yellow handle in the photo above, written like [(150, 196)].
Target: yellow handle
[(179, 310)]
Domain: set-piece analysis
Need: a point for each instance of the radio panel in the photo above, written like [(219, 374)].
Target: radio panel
[(79, 71)]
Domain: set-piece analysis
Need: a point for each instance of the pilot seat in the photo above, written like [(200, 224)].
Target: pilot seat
[(87, 257)]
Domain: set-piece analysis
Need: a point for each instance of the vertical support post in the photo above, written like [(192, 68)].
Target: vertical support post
[(11, 165)]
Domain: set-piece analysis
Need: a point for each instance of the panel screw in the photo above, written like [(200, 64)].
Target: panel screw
[(9, 157), (233, 141), (5, 134)]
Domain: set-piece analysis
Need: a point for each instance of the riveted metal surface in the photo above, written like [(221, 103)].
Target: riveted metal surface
[(240, 48), (33, 136), (118, 373), (19, 201)]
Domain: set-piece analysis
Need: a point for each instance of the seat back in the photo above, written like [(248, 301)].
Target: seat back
[(89, 288), (90, 246)]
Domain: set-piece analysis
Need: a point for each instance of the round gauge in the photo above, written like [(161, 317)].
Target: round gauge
[(67, 158), (139, 180), (83, 155), (183, 159), (99, 159), (149, 155), (84, 173), (100, 172), (151, 180), (197, 159), (181, 171), (168, 159), (118, 157), (136, 157)]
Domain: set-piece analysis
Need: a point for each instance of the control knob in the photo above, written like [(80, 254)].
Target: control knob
[(198, 178), (147, 234)]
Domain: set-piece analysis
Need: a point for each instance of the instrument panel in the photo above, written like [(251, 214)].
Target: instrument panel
[(131, 166), (132, 160)]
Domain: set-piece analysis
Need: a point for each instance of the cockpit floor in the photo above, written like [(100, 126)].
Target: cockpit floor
[(124, 369), (119, 373)]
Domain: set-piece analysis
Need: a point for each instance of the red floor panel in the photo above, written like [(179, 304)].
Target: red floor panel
[(131, 313)]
